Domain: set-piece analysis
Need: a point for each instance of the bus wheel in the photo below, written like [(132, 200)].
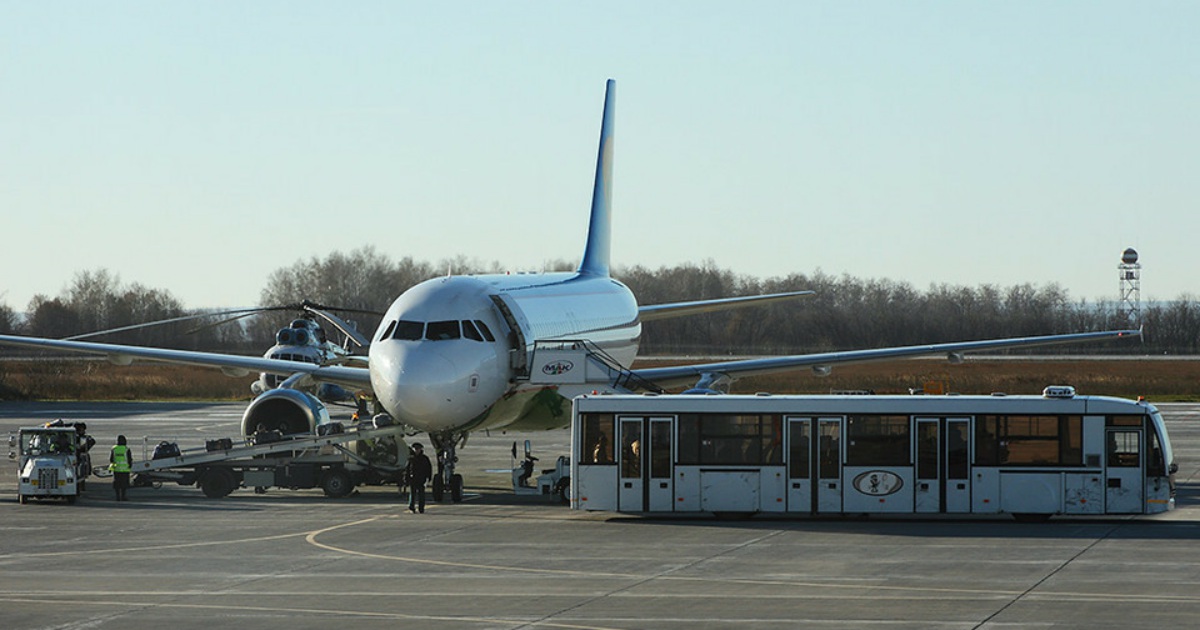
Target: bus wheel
[(564, 490), (217, 483), (1026, 517), (336, 483), (71, 499), (456, 488)]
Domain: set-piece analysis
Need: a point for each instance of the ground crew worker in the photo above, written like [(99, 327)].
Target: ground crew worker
[(120, 462), (419, 471)]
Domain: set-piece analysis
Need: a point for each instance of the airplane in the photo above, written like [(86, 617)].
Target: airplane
[(456, 354)]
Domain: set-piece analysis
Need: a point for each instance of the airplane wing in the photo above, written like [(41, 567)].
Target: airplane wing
[(707, 375), (231, 364), (679, 309)]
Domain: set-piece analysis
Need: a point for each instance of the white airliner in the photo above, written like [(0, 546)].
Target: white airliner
[(453, 355)]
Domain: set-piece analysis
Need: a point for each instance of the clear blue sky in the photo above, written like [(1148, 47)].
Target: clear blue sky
[(197, 147)]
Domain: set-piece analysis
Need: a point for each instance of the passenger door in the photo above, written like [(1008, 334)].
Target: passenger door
[(1124, 471), (660, 493), (943, 465), (631, 496), (828, 458), (646, 463)]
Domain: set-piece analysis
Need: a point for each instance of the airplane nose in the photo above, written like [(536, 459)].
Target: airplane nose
[(423, 386)]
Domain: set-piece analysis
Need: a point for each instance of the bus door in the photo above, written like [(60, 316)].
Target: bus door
[(1124, 470), (646, 475), (631, 490), (814, 465), (942, 463)]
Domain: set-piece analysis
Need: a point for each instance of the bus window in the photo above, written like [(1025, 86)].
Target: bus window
[(730, 439), (1123, 421), (631, 448), (799, 448), (660, 455), (1155, 465), (927, 449), (597, 439), (1124, 449), (878, 441), (1029, 441)]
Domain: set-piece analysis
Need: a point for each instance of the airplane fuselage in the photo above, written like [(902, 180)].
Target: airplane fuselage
[(450, 352)]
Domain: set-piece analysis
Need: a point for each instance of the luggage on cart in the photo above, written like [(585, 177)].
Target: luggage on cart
[(165, 450), (332, 428), (221, 444)]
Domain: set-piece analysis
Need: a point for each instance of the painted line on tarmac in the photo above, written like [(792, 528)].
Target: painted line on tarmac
[(225, 608)]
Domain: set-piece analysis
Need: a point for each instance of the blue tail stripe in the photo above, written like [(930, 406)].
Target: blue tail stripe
[(599, 240)]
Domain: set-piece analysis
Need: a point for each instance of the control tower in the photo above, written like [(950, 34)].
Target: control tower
[(1131, 287)]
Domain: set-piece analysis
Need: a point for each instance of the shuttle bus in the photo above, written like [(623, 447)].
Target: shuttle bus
[(1029, 456)]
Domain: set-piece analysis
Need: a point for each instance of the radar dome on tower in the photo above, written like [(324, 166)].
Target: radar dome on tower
[(1130, 256)]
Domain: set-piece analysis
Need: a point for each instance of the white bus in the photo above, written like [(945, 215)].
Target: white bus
[(1029, 456)]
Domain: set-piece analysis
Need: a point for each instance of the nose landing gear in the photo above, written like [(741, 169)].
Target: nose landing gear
[(447, 444)]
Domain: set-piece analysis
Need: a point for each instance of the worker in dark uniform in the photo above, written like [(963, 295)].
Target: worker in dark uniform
[(120, 462), (419, 471)]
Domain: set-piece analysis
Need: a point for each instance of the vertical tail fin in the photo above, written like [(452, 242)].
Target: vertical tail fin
[(599, 239)]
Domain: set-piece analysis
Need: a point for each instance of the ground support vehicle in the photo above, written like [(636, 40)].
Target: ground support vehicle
[(297, 461), (1028, 456), (48, 463), (553, 481)]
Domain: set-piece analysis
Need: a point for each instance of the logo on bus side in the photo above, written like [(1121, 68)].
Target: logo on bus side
[(877, 483), (557, 367)]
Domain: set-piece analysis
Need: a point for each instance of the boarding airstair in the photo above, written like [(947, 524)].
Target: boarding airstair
[(581, 367)]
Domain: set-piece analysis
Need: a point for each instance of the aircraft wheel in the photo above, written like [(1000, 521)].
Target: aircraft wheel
[(439, 488), (456, 488), (217, 483), (564, 489), (336, 483)]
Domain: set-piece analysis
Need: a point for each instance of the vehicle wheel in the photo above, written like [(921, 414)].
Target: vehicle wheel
[(564, 489), (439, 488), (217, 483), (456, 488), (336, 483), (22, 499), (82, 485), (71, 499), (1025, 517)]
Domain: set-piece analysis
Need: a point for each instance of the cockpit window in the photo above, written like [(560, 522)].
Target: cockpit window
[(409, 331), (387, 332), (487, 334), (441, 331), (470, 332)]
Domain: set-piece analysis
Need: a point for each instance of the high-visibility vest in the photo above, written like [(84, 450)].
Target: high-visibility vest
[(120, 459)]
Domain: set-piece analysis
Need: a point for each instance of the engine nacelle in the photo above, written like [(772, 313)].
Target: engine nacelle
[(287, 410)]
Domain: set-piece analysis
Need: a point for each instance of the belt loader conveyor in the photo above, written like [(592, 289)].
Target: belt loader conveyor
[(297, 461)]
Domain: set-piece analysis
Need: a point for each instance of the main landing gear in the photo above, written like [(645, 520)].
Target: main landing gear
[(445, 479)]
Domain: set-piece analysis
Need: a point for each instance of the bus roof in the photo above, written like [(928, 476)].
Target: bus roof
[(858, 404)]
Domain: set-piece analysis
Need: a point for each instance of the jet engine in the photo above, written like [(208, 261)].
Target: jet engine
[(288, 410)]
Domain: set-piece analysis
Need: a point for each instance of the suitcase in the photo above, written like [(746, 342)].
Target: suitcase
[(165, 449), (332, 428), (221, 444)]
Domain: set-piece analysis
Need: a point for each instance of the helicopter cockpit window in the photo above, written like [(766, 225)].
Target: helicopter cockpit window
[(441, 331), (408, 330), (487, 334), (299, 323)]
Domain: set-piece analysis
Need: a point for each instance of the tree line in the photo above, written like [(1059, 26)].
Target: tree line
[(845, 312)]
